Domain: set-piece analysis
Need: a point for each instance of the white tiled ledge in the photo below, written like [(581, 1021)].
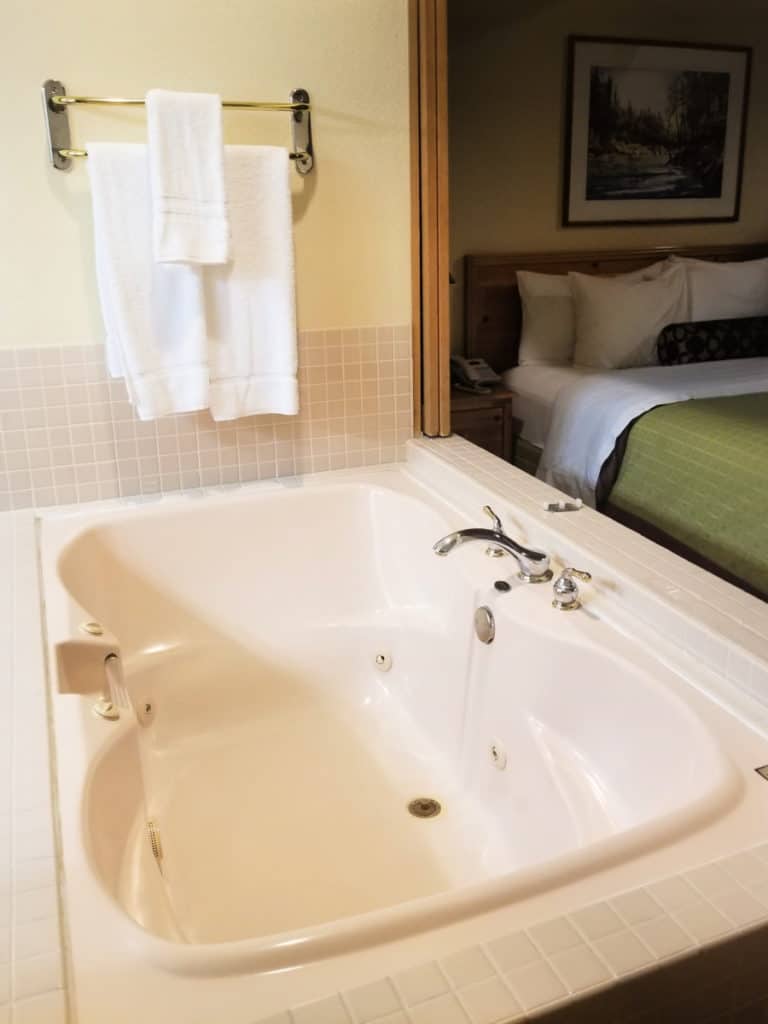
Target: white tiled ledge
[(681, 924), (31, 971)]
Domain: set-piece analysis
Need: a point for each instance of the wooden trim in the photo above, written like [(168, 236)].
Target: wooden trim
[(413, 74), (492, 310), (431, 212), (443, 220)]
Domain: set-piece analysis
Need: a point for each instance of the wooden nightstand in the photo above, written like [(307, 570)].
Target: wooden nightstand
[(486, 420)]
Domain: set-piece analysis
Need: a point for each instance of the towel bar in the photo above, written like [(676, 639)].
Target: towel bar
[(56, 101)]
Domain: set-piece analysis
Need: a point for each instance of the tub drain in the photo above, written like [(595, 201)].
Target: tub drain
[(424, 807)]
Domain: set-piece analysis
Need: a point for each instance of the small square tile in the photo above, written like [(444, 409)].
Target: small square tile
[(372, 1001), (513, 950), (535, 985), (489, 1002), (597, 920), (467, 966), (324, 1011), (50, 1008), (664, 937), (37, 975), (623, 952), (673, 892), (33, 938), (580, 968), (552, 936), (746, 868), (702, 921), (418, 984), (637, 905), (738, 906), (443, 1010), (709, 879)]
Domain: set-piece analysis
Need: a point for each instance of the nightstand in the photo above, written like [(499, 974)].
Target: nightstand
[(486, 420)]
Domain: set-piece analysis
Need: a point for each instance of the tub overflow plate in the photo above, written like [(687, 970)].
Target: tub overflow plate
[(485, 625)]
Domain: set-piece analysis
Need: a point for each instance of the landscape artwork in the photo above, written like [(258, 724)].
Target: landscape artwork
[(655, 132)]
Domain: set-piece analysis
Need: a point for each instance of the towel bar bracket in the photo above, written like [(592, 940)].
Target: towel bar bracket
[(57, 122), (57, 103), (301, 128)]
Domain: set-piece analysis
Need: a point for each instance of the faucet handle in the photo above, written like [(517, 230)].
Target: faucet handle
[(497, 523), (566, 590), (580, 574)]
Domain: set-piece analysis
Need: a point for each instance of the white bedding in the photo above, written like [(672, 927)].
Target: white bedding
[(590, 414), (536, 388)]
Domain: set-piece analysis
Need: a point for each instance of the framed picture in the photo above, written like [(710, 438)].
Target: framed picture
[(654, 131)]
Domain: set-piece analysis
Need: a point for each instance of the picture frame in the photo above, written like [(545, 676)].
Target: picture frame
[(654, 131)]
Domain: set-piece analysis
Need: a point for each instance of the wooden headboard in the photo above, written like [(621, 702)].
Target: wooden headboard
[(492, 310)]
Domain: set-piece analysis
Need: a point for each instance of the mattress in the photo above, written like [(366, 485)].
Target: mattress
[(693, 474), (592, 412), (535, 389)]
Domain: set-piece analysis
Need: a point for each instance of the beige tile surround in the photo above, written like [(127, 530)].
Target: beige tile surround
[(68, 433)]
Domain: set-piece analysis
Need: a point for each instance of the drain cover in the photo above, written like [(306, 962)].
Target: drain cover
[(424, 807)]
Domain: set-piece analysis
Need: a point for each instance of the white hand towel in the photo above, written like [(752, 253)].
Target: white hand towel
[(250, 302), (153, 312), (186, 160)]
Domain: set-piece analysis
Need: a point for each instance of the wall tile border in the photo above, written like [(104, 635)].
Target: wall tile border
[(68, 433)]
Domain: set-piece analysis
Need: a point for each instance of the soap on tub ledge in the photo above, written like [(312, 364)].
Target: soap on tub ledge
[(321, 778)]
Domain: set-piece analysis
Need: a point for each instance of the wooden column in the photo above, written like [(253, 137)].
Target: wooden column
[(430, 211)]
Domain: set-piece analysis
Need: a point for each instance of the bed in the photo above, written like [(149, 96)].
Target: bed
[(678, 453)]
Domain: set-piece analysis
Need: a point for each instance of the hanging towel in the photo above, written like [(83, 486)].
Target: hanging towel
[(250, 301), (153, 312), (186, 161)]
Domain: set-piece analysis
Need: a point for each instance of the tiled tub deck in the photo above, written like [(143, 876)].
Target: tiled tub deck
[(688, 948)]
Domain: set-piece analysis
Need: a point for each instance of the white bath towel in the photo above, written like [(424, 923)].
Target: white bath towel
[(153, 312), (250, 302), (186, 161)]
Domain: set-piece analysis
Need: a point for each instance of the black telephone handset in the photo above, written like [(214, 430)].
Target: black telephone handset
[(473, 375)]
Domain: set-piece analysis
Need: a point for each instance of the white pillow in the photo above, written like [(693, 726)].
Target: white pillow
[(721, 291), (549, 329), (618, 322), (547, 318)]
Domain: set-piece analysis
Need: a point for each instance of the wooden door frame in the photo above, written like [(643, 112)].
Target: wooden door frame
[(430, 254)]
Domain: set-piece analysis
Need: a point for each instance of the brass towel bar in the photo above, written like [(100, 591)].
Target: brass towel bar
[(56, 101)]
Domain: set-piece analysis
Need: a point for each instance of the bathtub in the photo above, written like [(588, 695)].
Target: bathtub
[(316, 757)]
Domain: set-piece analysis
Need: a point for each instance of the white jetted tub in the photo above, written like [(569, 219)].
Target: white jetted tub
[(298, 667)]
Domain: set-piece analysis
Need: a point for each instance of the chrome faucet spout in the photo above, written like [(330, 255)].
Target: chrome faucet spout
[(533, 564)]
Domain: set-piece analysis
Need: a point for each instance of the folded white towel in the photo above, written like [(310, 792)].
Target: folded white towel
[(250, 302), (153, 312), (186, 161)]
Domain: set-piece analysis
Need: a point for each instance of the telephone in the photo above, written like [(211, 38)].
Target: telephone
[(473, 375)]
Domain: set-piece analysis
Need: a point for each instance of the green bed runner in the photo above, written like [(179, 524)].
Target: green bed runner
[(698, 471)]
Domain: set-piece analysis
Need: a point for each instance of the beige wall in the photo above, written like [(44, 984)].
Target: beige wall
[(507, 82), (351, 214)]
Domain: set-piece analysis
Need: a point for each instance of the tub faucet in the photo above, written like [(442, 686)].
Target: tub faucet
[(533, 564)]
